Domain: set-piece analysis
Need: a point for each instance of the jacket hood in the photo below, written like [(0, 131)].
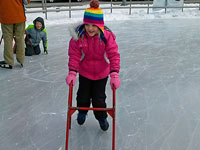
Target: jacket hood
[(41, 20), (73, 29)]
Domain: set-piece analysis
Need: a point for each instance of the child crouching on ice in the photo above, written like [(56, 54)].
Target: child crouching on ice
[(34, 34), (89, 53)]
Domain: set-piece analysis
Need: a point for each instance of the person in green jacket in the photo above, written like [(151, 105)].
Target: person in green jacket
[(34, 34)]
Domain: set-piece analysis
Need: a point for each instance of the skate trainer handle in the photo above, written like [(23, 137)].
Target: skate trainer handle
[(71, 110)]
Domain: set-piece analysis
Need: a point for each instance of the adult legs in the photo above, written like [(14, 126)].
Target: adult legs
[(19, 30), (7, 30)]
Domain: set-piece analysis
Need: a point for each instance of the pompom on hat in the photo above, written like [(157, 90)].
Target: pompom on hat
[(94, 15)]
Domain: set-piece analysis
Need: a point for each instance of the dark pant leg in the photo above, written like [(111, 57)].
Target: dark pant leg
[(99, 97), (84, 93), (37, 50), (28, 50)]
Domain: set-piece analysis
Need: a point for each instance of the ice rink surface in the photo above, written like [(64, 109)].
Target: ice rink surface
[(158, 102)]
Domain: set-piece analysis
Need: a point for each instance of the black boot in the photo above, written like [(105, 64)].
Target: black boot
[(81, 118), (3, 64), (104, 124)]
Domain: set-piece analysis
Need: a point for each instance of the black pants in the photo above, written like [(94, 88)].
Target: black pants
[(92, 91), (29, 51)]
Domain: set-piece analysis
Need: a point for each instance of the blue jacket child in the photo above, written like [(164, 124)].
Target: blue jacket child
[(34, 34)]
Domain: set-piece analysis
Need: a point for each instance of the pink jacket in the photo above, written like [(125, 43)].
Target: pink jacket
[(92, 58)]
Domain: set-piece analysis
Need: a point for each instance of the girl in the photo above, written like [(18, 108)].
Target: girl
[(93, 53)]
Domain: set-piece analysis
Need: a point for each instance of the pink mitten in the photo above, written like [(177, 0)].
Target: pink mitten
[(71, 77), (114, 81)]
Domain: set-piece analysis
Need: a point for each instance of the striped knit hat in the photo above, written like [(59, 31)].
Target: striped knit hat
[(94, 15)]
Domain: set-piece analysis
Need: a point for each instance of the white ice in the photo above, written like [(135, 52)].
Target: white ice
[(158, 105)]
